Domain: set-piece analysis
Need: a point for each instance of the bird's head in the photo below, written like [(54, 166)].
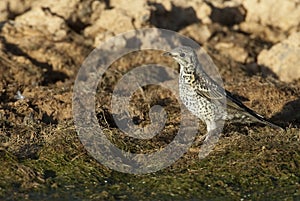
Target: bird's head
[(184, 55)]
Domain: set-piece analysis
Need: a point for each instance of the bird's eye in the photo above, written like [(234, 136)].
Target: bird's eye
[(182, 55)]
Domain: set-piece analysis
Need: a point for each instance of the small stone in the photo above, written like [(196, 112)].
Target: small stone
[(11, 8), (198, 32), (115, 20), (268, 18), (283, 58), (237, 53), (282, 14), (42, 20), (122, 18), (266, 32), (61, 8)]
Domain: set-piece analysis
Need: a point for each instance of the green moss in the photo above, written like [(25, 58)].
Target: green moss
[(239, 167)]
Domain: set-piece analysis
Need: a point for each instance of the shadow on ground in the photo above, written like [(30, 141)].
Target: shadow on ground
[(289, 115)]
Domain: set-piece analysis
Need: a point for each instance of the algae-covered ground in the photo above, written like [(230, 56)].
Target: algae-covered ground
[(263, 165)]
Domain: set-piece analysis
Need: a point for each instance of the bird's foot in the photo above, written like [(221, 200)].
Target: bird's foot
[(208, 142)]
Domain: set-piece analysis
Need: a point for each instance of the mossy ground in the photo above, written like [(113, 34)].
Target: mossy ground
[(262, 165)]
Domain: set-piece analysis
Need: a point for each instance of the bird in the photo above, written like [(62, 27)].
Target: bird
[(207, 99)]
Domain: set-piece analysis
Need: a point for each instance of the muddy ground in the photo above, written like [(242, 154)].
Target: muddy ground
[(42, 157)]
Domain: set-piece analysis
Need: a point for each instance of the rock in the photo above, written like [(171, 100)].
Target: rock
[(12, 8), (102, 36), (200, 7), (208, 11), (42, 38), (61, 8), (121, 18), (115, 20), (237, 53), (282, 15), (283, 58), (268, 33), (77, 13), (224, 4), (110, 23), (198, 32), (202, 10), (177, 14), (3, 11), (43, 21), (138, 10)]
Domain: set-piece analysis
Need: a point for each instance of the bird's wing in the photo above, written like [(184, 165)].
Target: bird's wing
[(206, 87), (236, 104)]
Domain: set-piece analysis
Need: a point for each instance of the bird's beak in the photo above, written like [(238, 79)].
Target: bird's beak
[(167, 54)]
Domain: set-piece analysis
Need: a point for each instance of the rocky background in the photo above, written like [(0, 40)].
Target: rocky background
[(255, 44)]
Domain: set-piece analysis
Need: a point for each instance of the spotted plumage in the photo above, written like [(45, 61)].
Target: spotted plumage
[(204, 97)]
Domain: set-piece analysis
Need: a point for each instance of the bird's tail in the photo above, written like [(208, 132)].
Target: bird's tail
[(236, 104), (263, 120)]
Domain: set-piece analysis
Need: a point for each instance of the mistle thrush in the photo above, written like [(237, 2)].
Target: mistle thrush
[(203, 96)]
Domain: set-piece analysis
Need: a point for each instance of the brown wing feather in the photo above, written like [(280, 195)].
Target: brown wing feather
[(208, 89)]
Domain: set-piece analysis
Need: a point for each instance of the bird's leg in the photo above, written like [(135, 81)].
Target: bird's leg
[(210, 126), (210, 139)]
